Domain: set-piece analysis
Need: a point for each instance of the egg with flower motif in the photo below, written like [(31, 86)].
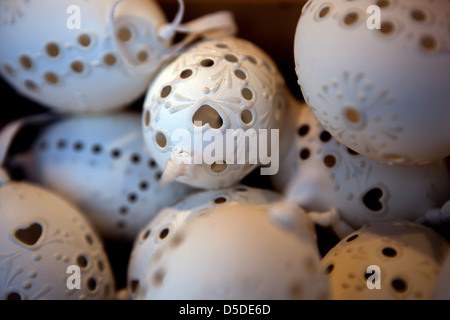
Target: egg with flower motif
[(376, 74)]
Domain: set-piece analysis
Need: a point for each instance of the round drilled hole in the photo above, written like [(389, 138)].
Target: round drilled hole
[(399, 285), (325, 136), (389, 252), (351, 18), (387, 28), (329, 269), (218, 167), (51, 78), (8, 69), (77, 66), (164, 233), (142, 56), (116, 153), (109, 59), (89, 239), (26, 62), (132, 197), (240, 74), (231, 58), (78, 146), (247, 94), (166, 91), (221, 45), (303, 130), (351, 238), (147, 118), (96, 149), (143, 185), (61, 144), (304, 154), (352, 115), (161, 140), (146, 234), (52, 50), (186, 74), (324, 12), (123, 210), (100, 265), (252, 59), (82, 261), (383, 3), (135, 158), (329, 161), (84, 40), (14, 296), (207, 62), (158, 278), (91, 284), (220, 200), (419, 15), (246, 116), (152, 163), (124, 34), (30, 85), (429, 43)]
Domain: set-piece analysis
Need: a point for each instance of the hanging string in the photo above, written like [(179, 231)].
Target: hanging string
[(218, 24)]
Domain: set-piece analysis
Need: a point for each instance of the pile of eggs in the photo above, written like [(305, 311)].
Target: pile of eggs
[(357, 203)]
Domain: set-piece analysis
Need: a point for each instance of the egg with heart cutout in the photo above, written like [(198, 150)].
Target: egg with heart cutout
[(100, 163), (48, 250)]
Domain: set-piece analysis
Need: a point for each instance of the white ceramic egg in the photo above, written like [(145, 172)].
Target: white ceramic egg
[(43, 240), (217, 88), (405, 259), (65, 55), (442, 290), (165, 224), (382, 92), (346, 190), (238, 252), (101, 164)]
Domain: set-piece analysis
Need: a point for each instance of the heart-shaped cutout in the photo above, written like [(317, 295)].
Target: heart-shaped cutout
[(207, 115), (372, 199), (29, 235)]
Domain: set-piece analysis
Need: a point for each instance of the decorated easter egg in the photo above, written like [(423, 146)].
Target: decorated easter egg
[(48, 250), (391, 260), (376, 74), (238, 251), (71, 56), (101, 164), (342, 187), (164, 225), (212, 115)]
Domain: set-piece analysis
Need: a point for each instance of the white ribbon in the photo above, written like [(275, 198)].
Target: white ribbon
[(216, 24)]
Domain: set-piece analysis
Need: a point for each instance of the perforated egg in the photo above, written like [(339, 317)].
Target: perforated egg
[(165, 224), (101, 164), (66, 55), (43, 240), (204, 113), (405, 260), (347, 190), (238, 251), (381, 90)]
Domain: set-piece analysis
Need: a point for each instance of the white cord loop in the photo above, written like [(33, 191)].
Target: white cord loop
[(212, 25)]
